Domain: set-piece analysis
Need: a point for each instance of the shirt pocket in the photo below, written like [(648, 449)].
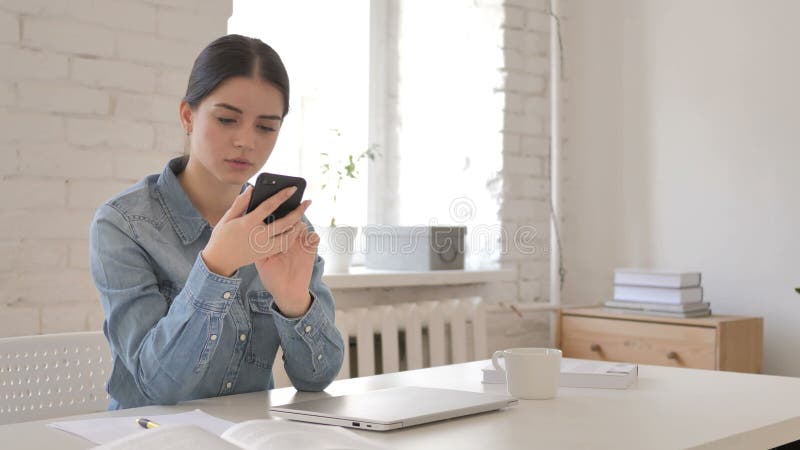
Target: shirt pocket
[(264, 339)]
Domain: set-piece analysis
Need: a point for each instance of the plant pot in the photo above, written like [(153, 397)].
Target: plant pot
[(336, 247)]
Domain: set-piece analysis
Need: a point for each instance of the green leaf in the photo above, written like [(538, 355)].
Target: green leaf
[(797, 290), (350, 169)]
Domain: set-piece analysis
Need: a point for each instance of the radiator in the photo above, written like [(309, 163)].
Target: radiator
[(404, 336)]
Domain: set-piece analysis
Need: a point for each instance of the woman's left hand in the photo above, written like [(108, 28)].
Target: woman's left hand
[(287, 275)]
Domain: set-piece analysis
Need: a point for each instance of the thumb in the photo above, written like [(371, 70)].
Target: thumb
[(238, 207)]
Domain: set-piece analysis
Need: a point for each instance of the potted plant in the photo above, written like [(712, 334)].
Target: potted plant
[(337, 240)]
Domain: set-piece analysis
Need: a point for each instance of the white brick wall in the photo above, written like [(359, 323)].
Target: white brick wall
[(114, 133), (60, 97), (7, 95), (146, 107), (118, 14), (9, 27), (53, 223), (61, 34), (160, 51), (89, 93), (25, 64), (120, 75), (525, 209), (19, 320), (41, 193), (64, 161), (36, 7), (90, 193), (30, 255), (21, 128), (168, 81)]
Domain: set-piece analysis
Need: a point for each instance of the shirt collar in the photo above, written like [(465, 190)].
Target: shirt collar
[(183, 216)]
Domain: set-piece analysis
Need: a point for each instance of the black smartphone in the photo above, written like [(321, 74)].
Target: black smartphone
[(269, 184)]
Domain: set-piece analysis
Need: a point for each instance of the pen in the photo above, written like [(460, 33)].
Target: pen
[(146, 423)]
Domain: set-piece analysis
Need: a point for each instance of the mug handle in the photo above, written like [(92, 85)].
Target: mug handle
[(495, 360)]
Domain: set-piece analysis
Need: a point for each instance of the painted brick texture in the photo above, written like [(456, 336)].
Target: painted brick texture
[(525, 210), (89, 94)]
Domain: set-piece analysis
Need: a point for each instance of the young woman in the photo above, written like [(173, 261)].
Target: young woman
[(193, 308)]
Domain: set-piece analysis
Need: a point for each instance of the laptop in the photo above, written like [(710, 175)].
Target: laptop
[(393, 408)]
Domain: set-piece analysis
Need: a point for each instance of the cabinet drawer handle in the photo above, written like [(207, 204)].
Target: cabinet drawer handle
[(672, 355), (595, 348)]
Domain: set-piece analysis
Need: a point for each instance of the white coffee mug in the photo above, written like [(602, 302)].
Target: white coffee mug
[(531, 373)]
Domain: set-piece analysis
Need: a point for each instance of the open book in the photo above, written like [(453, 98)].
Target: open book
[(251, 435)]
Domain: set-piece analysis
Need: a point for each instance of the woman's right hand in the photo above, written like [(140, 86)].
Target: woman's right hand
[(238, 240)]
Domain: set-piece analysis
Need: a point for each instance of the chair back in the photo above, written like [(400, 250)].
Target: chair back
[(53, 375)]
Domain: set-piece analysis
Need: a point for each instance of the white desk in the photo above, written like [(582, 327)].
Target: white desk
[(668, 408)]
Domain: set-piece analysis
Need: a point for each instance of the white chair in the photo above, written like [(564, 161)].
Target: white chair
[(53, 375)]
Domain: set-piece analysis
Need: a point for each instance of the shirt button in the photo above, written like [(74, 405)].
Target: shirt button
[(242, 337), (228, 386), (213, 337), (226, 295), (308, 328)]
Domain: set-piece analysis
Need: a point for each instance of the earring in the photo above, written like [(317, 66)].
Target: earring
[(188, 132)]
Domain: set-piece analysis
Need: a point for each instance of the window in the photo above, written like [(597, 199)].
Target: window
[(325, 47), (448, 140), (416, 78)]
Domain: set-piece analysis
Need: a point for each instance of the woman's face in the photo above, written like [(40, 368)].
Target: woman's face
[(234, 129)]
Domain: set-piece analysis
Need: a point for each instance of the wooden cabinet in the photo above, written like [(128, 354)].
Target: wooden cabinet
[(716, 342)]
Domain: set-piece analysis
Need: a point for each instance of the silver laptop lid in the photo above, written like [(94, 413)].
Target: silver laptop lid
[(392, 408)]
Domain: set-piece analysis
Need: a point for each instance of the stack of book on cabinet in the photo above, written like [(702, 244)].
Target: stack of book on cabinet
[(658, 292)]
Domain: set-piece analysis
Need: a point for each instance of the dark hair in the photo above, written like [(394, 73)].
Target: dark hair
[(232, 56)]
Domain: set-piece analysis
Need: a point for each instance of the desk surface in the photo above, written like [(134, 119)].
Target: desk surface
[(667, 408)]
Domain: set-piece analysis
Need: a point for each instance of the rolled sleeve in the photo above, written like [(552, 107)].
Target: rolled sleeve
[(308, 326), (210, 292), (313, 346)]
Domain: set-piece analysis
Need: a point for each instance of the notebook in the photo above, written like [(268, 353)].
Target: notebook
[(393, 408)]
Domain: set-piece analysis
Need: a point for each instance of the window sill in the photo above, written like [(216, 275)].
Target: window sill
[(359, 277)]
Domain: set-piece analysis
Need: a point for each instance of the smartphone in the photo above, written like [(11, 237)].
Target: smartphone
[(269, 184)]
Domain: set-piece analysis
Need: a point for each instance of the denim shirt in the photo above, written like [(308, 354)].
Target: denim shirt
[(178, 331)]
